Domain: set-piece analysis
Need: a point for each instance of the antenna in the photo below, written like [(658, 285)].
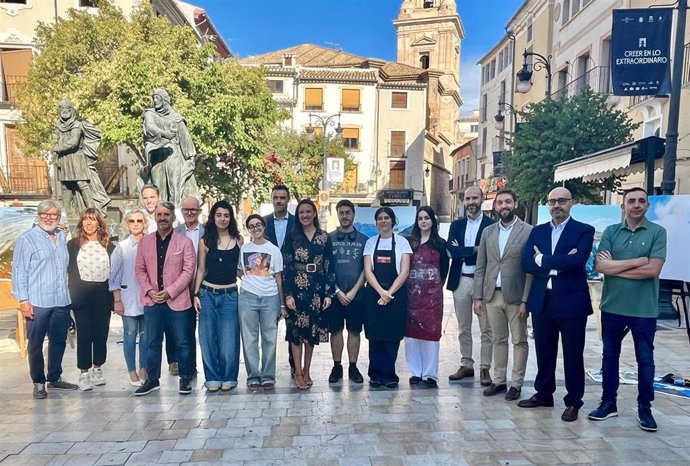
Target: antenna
[(334, 45)]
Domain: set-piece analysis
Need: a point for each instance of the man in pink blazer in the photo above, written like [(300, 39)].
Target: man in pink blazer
[(165, 266)]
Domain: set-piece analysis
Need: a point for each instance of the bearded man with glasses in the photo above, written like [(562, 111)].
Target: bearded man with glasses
[(39, 282), (556, 254)]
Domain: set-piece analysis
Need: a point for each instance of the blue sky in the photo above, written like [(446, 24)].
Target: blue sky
[(362, 27)]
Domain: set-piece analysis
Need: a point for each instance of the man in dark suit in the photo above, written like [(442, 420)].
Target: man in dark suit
[(556, 254), (278, 227), (463, 242)]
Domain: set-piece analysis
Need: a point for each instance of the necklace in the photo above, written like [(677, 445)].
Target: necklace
[(221, 248)]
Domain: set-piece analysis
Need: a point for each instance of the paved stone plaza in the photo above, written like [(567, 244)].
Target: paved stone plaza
[(343, 424)]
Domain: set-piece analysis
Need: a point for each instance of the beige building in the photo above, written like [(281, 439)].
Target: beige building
[(468, 127), (22, 176), (398, 118), (576, 37)]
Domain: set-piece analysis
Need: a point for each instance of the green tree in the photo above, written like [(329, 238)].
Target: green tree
[(298, 163), (108, 66), (555, 131)]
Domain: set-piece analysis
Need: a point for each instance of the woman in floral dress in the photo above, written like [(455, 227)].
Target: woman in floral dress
[(309, 287)]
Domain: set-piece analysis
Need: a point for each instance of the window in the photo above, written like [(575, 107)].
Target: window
[(482, 108), (500, 61), (474, 128), (396, 178), (397, 144), (566, 12), (313, 98), (428, 3), (492, 69), (351, 138), (86, 3), (576, 7), (275, 86), (399, 100), (20, 2), (15, 64), (502, 95), (484, 144), (424, 60), (529, 30), (349, 100)]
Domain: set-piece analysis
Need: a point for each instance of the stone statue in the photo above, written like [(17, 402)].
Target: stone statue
[(169, 151), (76, 154)]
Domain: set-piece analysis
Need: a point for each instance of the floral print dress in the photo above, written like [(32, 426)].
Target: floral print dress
[(309, 272)]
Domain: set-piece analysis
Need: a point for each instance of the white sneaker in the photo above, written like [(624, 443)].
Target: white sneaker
[(85, 382), (97, 376)]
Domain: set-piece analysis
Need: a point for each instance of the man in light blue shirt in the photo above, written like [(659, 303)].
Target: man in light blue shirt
[(39, 282)]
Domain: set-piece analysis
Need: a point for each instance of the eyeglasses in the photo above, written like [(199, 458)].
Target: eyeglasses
[(255, 226), (190, 211), (559, 201), (45, 216), (135, 220)]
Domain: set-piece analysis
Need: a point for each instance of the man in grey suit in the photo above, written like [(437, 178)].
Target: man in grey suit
[(501, 289), (194, 230)]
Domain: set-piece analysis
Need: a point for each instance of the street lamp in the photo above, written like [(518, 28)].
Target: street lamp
[(500, 117), (324, 123), (524, 76)]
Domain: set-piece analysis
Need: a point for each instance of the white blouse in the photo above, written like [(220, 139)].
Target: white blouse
[(93, 262)]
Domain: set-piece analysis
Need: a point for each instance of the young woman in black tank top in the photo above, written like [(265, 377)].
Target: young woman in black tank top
[(215, 298)]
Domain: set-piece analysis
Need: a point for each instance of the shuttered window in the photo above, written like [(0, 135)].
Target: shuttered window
[(396, 177), (15, 68), (351, 138), (399, 100), (313, 98), (397, 144), (350, 100)]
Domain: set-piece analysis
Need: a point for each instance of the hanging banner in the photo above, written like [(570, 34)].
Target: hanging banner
[(641, 51)]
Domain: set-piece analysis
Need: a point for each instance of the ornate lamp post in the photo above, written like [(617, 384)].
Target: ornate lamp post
[(524, 76), (324, 123), (500, 118)]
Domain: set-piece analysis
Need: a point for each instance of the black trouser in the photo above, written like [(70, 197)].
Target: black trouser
[(572, 334), (93, 324), (382, 357)]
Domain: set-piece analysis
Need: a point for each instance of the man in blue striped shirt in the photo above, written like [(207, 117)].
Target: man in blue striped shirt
[(39, 282)]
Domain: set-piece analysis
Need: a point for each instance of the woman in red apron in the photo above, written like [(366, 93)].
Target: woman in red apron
[(428, 271), (386, 267)]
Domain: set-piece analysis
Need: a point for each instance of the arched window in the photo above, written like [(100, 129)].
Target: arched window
[(428, 3), (566, 11), (424, 61)]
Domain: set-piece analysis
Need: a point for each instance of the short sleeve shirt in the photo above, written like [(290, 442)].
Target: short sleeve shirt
[(401, 247), (624, 296), (348, 254), (260, 262)]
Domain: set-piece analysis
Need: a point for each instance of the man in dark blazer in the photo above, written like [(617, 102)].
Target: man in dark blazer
[(278, 227), (463, 242), (280, 222), (556, 254)]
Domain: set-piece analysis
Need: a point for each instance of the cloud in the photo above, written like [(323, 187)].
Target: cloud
[(470, 81)]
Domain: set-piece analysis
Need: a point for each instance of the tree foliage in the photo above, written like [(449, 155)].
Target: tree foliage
[(108, 65), (555, 131), (295, 161)]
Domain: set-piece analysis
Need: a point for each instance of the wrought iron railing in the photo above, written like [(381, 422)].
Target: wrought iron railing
[(24, 179), (598, 79), (9, 88)]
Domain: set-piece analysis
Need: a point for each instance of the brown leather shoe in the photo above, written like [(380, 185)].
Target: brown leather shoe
[(570, 414), (462, 373), (484, 377)]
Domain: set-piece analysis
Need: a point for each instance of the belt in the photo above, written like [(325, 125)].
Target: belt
[(227, 290), (309, 268), (468, 275)]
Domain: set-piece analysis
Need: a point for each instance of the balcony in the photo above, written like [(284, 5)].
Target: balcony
[(9, 88), (24, 179), (598, 79)]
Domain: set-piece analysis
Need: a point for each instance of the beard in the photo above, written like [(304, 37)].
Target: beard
[(472, 208), (507, 216)]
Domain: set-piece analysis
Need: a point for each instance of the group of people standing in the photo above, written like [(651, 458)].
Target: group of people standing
[(503, 271), (387, 285)]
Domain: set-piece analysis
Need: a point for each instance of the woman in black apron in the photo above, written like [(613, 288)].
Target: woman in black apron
[(385, 298)]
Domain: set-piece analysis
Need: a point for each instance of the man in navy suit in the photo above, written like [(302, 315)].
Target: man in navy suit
[(463, 241), (278, 227), (556, 254)]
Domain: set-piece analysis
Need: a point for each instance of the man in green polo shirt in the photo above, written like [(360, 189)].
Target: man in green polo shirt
[(630, 256)]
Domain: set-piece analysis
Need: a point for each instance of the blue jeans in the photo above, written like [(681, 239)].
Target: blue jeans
[(156, 318), (259, 315), (219, 336), (614, 327), (53, 322), (133, 327)]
